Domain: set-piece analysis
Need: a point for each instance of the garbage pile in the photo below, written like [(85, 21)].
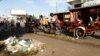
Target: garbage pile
[(15, 45)]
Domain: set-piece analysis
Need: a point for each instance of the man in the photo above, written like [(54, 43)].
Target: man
[(91, 22), (18, 22), (79, 20)]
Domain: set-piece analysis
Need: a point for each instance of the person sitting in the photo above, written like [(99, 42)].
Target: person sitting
[(91, 22), (98, 19), (79, 20)]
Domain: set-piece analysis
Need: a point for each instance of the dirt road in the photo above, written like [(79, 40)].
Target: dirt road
[(55, 47)]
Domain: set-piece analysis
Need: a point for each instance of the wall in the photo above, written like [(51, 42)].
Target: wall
[(74, 2)]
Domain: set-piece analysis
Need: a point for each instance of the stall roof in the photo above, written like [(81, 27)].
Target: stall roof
[(60, 13)]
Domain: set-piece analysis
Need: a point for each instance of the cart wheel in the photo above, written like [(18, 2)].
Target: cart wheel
[(80, 33), (57, 31)]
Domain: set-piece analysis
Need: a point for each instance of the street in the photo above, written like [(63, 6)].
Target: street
[(55, 47)]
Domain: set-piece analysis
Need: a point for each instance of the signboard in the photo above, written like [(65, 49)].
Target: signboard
[(91, 3), (18, 12), (67, 16), (70, 0)]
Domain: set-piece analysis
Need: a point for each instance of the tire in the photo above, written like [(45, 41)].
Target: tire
[(79, 33), (57, 31)]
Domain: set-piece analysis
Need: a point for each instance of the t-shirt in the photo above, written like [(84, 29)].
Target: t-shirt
[(44, 21)]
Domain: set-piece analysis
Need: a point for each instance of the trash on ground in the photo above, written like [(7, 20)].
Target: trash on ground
[(15, 45)]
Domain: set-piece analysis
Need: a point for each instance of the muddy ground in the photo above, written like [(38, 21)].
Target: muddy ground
[(57, 47)]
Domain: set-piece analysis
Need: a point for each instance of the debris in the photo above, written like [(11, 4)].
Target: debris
[(11, 41), (25, 45), (14, 45), (2, 45)]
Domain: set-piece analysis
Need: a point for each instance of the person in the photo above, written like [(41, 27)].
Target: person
[(18, 22), (58, 25), (44, 21), (98, 19), (12, 22), (91, 22), (91, 19), (79, 20), (37, 23), (52, 22), (52, 19), (30, 24)]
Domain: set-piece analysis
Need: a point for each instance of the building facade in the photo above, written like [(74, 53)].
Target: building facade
[(83, 3), (74, 3)]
